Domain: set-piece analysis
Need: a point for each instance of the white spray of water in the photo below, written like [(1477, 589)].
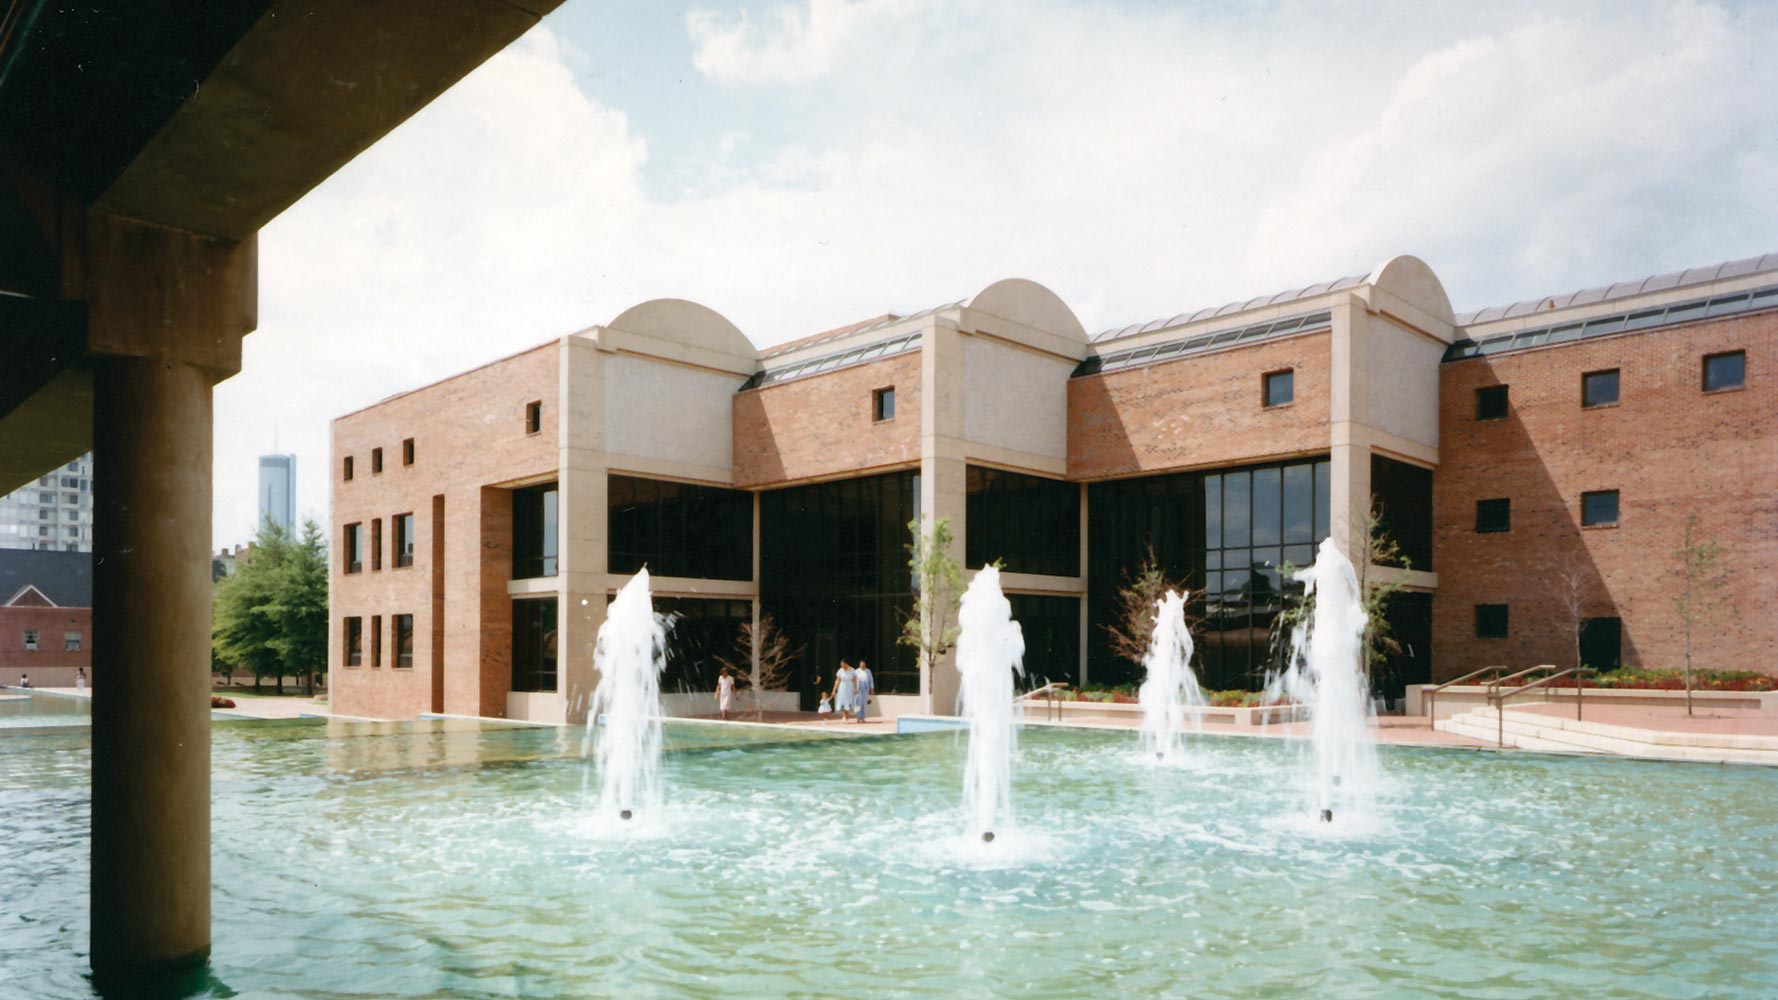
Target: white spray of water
[(626, 710), (1170, 696), (990, 650), (1326, 674)]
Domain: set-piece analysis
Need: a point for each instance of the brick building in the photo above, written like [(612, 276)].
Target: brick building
[(46, 616), (1536, 463)]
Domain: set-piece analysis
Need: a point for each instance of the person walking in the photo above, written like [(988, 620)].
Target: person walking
[(80, 679), (725, 693), (867, 684), (845, 689)]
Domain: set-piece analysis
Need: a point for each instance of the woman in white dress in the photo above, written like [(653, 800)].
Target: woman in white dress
[(845, 689), (725, 693)]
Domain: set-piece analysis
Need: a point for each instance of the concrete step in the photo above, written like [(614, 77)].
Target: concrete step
[(1530, 731)]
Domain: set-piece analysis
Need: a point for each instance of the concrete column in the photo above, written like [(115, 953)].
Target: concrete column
[(151, 666), (1349, 445), (943, 469), (582, 522)]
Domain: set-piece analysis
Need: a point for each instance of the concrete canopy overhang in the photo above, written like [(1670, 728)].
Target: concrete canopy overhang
[(201, 120)]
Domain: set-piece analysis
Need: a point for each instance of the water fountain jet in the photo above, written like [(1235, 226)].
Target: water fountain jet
[(990, 650), (625, 720), (1170, 693)]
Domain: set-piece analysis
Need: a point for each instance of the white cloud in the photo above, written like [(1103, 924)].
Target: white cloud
[(1140, 162)]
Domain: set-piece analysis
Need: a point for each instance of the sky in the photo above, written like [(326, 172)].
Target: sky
[(797, 166)]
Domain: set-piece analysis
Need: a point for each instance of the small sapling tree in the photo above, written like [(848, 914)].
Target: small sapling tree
[(1702, 579), (931, 629)]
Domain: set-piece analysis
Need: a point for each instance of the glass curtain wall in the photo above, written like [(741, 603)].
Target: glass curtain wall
[(834, 575), (534, 532), (1030, 523), (679, 529), (1051, 625), (701, 632), (1403, 495), (1226, 533), (534, 644)]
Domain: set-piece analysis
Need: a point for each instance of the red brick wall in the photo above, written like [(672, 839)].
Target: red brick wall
[(1667, 447), (51, 624), (468, 431), (821, 425), (1199, 411)]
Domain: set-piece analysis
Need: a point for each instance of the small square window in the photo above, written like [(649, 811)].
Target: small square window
[(1490, 402), (1493, 515), (534, 416), (31, 636), (70, 642), (1490, 621), (1598, 389), (1280, 387), (376, 461), (407, 451), (354, 642), (348, 468), (1598, 509), (1725, 371), (882, 404)]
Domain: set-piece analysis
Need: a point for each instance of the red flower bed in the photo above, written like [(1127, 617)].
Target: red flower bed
[(218, 701)]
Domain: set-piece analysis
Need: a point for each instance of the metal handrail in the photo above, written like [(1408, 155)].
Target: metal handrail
[(1498, 698), (1431, 697), (1052, 708), (1494, 685)]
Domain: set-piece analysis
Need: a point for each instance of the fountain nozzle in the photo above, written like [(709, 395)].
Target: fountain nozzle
[(988, 836), (1159, 755), (1327, 815), (626, 814)]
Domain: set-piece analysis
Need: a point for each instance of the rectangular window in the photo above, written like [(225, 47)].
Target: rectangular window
[(1280, 387), (1490, 402), (534, 532), (376, 544), (71, 642), (354, 547), (46, 498), (1493, 515), (43, 531), (882, 404), (407, 451), (376, 640), (376, 461), (346, 467), (401, 538), (73, 498), (534, 644), (354, 642), (43, 514), (679, 529), (1725, 371), (404, 642), (1030, 523), (31, 635), (1598, 389), (534, 416), (1490, 621), (1598, 509)]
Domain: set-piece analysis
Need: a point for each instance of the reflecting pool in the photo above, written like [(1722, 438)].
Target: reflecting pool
[(453, 859)]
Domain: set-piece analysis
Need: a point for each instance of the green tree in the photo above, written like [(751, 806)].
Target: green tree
[(270, 616), (938, 586), (1700, 594), (1131, 628)]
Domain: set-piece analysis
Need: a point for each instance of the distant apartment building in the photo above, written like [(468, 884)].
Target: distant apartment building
[(1535, 464), (54, 514), (277, 490)]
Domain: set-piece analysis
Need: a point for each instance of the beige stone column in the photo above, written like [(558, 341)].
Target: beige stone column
[(1349, 445), (943, 468), (165, 313), (583, 489)]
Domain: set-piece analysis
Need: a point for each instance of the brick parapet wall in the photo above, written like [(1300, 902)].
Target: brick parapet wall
[(1670, 449), (822, 426), (51, 624), (1200, 411), (468, 431)]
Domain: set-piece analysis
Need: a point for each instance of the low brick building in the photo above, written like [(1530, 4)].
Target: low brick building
[(46, 616), (1536, 463)]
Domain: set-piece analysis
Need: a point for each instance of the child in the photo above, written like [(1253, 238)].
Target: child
[(826, 707)]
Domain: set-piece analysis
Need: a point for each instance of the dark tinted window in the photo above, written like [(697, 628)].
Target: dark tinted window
[(404, 641), (1051, 627), (883, 404), (1493, 515), (354, 547), (534, 531), (677, 529), (533, 417), (1490, 402), (1403, 496), (534, 644), (376, 461), (1598, 508), (834, 575), (402, 531), (700, 633), (1280, 388), (1599, 388), (1226, 533), (354, 641), (1725, 371), (1031, 523), (1490, 621)]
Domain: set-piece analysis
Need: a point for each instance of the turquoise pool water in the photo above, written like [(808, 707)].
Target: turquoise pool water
[(20, 709), (445, 859)]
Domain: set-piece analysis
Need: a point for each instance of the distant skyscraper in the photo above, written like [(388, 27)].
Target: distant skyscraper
[(277, 490), (54, 514)]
